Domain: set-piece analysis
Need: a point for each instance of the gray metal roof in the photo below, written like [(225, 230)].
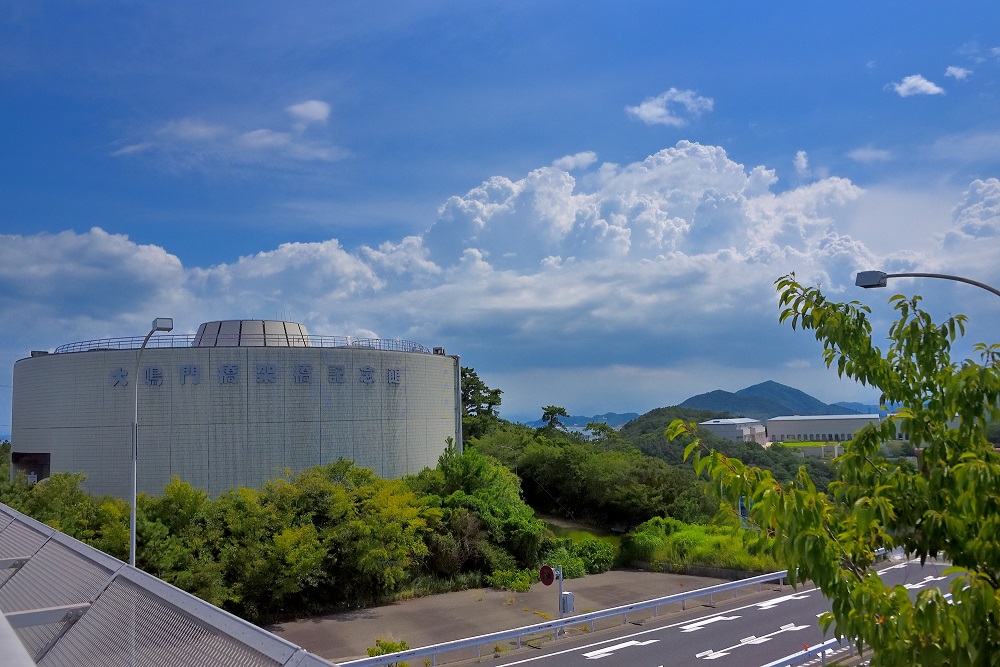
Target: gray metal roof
[(66, 603), (804, 418), (733, 420)]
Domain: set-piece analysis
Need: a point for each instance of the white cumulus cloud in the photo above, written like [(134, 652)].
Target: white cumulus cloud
[(915, 84), (671, 107), (978, 215), (655, 268), (801, 163), (959, 73), (576, 161)]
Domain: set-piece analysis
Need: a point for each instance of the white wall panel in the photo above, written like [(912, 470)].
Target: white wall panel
[(217, 434)]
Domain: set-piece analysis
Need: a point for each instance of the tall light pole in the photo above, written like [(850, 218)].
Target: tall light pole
[(159, 324), (869, 279)]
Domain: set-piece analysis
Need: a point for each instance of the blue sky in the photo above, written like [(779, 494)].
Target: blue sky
[(589, 203)]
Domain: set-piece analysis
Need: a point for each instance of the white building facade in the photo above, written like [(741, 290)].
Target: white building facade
[(235, 405), (818, 428), (740, 429)]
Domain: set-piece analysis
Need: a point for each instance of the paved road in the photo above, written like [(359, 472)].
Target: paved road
[(439, 618), (734, 634)]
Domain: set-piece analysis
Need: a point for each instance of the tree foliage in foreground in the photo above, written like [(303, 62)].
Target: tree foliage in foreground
[(949, 507)]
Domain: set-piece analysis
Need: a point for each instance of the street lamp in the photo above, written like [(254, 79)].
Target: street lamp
[(159, 324), (869, 279)]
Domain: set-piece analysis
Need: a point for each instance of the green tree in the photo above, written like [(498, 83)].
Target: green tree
[(502, 527), (551, 415), (4, 460), (477, 397), (480, 405), (950, 506), (605, 435)]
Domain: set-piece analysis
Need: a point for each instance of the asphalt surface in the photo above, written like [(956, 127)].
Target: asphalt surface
[(439, 618)]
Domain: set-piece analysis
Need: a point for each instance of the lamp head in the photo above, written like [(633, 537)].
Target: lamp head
[(163, 324), (869, 279)]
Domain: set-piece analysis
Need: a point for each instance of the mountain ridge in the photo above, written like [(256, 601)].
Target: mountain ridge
[(763, 401)]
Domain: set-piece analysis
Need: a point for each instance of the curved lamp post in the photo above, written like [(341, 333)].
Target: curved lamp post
[(159, 324), (869, 279)]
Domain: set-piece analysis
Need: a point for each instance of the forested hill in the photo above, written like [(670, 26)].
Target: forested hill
[(763, 401), (647, 434)]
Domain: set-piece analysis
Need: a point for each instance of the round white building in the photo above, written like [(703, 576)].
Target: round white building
[(236, 404)]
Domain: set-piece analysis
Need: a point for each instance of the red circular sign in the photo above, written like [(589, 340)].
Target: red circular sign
[(546, 575)]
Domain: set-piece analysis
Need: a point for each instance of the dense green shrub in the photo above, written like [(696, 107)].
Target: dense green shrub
[(597, 556), (564, 555), (518, 581), (667, 543)]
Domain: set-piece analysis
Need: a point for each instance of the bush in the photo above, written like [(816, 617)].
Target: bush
[(597, 556), (518, 581), (494, 557), (665, 543), (641, 545), (385, 647), (573, 566)]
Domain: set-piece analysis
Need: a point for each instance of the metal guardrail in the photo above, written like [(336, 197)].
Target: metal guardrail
[(558, 627), (806, 655), (245, 340)]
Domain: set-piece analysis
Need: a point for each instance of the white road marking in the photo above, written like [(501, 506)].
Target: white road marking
[(769, 604), (608, 650), (713, 654), (698, 625), (927, 580), (663, 628), (897, 566)]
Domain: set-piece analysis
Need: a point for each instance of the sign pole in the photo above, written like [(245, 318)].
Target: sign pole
[(559, 576)]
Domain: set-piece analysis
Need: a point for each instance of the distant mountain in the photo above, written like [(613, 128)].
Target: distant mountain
[(614, 419), (867, 409), (800, 402), (763, 401), (858, 407)]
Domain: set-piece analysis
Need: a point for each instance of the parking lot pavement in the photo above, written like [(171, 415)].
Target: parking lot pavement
[(440, 618)]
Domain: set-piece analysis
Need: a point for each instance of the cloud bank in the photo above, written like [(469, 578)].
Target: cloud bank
[(632, 271)]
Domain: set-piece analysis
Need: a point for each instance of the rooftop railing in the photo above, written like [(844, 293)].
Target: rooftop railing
[(244, 340)]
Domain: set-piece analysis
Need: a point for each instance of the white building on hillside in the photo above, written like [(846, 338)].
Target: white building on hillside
[(819, 428), (740, 429)]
